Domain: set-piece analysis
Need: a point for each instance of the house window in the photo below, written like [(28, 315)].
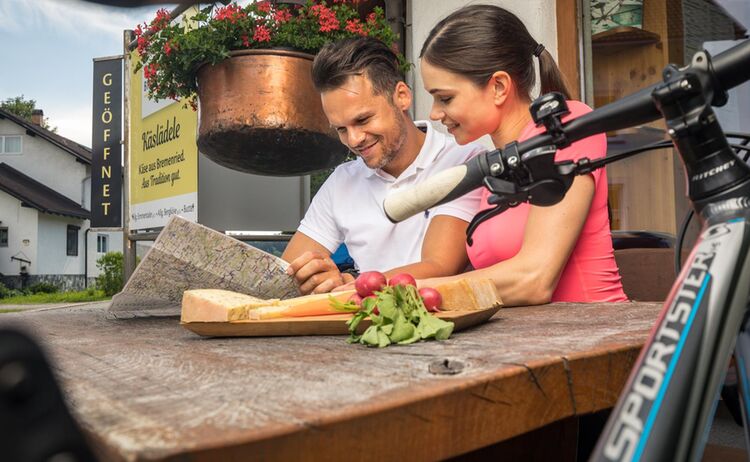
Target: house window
[(4, 237), (102, 246), (72, 241), (10, 144)]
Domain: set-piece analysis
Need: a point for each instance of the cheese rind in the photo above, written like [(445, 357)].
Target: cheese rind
[(468, 294)]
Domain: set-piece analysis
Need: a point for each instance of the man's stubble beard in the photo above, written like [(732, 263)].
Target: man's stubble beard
[(395, 148)]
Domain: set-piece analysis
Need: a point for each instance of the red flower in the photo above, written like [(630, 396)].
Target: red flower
[(149, 71), (138, 30), (355, 27), (161, 21), (282, 15), (371, 18), (142, 44), (230, 13), (326, 18), (263, 6), (167, 48), (262, 34), (245, 40)]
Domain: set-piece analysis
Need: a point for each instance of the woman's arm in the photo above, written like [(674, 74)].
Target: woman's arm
[(531, 276)]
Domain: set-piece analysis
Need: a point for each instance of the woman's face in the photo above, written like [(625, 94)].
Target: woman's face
[(467, 110)]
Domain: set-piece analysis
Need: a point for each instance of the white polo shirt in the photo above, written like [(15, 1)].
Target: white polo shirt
[(348, 207)]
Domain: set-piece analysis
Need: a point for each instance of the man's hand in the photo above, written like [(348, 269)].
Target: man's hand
[(316, 273)]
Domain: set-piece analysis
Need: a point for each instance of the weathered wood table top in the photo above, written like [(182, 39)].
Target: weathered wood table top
[(147, 389)]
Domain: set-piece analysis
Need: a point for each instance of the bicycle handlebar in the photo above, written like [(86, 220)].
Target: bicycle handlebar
[(730, 68)]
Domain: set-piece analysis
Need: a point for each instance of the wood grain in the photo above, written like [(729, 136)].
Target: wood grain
[(147, 389), (334, 324)]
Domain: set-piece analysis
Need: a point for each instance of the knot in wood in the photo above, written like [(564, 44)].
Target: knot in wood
[(446, 367)]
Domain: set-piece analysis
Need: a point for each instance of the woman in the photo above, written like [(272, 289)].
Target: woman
[(478, 65)]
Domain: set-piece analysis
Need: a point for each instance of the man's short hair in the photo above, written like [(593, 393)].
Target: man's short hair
[(337, 61)]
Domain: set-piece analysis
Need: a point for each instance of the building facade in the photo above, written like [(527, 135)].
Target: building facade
[(45, 187)]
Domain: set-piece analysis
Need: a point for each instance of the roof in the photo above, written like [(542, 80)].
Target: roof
[(79, 151), (34, 194)]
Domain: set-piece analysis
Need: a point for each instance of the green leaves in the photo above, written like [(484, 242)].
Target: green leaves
[(402, 319)]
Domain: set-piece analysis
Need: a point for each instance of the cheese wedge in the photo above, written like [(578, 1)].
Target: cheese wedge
[(468, 294), (216, 305)]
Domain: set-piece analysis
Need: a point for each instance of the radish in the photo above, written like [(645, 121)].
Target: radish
[(403, 279), (431, 299), (369, 282), (356, 299)]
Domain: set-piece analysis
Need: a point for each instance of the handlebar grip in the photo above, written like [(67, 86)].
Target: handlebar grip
[(442, 187)]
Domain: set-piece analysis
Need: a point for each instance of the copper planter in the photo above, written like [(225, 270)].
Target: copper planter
[(259, 113)]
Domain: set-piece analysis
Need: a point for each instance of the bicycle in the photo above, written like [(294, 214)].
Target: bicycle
[(667, 404)]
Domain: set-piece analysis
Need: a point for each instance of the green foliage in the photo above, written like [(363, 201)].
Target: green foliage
[(23, 108), (88, 295), (6, 292), (173, 52), (42, 288), (111, 279), (402, 318)]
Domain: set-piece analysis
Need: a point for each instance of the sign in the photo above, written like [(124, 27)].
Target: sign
[(163, 163), (106, 150)]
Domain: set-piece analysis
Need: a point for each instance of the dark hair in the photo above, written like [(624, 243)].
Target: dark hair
[(337, 61), (478, 40)]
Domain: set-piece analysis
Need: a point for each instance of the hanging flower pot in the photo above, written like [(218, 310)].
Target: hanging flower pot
[(259, 112)]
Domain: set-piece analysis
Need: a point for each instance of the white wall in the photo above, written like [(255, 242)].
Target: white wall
[(52, 246), (538, 16), (45, 162), (22, 235)]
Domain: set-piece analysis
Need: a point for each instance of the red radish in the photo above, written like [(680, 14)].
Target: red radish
[(403, 279), (356, 299), (375, 310), (431, 298), (368, 282)]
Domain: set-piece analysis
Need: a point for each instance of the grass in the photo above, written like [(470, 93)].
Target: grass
[(10, 311), (58, 297)]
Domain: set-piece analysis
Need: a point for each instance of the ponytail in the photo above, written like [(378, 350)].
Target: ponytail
[(551, 79)]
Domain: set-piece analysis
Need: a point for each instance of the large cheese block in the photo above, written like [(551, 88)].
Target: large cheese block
[(468, 294), (214, 305), (217, 305)]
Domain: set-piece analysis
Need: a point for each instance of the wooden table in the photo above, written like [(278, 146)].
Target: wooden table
[(147, 389)]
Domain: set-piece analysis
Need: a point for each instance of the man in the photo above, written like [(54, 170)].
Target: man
[(366, 101)]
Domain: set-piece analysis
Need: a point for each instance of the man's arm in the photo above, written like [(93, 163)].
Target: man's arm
[(443, 250), (311, 265)]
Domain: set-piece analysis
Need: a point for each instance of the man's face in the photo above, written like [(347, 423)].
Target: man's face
[(367, 123)]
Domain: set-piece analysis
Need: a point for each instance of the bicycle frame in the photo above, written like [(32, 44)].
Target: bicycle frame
[(666, 407)]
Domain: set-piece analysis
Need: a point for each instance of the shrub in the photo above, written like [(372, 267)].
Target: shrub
[(42, 288), (5, 292), (111, 265)]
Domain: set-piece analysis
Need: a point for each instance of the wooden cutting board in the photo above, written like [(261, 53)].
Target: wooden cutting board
[(334, 324)]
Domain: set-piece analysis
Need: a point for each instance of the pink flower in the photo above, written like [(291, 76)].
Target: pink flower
[(167, 48), (262, 34), (371, 18), (245, 40)]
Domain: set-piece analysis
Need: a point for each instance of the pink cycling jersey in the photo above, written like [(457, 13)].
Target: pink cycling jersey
[(591, 273)]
